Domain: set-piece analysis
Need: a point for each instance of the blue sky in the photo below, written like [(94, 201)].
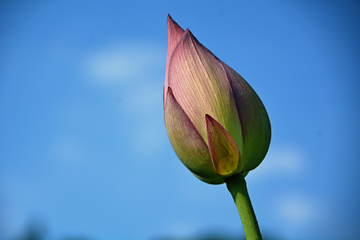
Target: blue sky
[(83, 146)]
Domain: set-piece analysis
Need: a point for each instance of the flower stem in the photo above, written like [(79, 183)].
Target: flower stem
[(237, 187)]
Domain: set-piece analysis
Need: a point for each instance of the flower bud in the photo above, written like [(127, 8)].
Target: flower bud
[(215, 121)]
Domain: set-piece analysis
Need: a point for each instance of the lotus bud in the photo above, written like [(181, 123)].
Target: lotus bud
[(215, 121)]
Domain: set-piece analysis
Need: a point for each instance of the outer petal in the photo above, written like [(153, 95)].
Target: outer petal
[(255, 123), (187, 143), (174, 33), (223, 149), (200, 85)]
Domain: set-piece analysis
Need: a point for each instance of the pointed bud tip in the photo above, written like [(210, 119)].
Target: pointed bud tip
[(189, 35), (188, 32), (172, 24), (169, 18)]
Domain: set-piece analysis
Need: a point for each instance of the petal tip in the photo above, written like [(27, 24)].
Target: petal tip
[(169, 92), (223, 149), (172, 25)]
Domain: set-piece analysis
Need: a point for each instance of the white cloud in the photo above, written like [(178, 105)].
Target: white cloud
[(299, 212), (119, 63), (137, 63), (296, 209), (281, 160)]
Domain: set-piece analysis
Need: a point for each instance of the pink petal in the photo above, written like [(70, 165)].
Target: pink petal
[(174, 32), (200, 85), (187, 142), (255, 123)]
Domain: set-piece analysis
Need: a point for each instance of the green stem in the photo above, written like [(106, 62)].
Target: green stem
[(237, 187)]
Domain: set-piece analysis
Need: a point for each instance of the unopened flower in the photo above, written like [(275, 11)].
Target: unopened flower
[(215, 121)]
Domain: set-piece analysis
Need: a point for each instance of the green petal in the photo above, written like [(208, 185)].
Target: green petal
[(255, 123), (200, 85), (223, 149), (187, 142)]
